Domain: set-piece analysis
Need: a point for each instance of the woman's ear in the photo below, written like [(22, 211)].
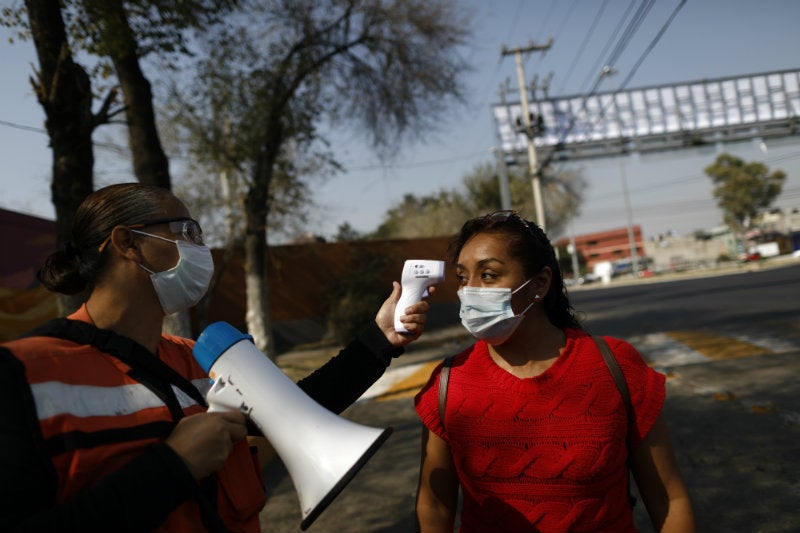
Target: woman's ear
[(541, 281), (124, 243)]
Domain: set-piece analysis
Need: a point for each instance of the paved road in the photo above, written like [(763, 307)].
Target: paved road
[(733, 407)]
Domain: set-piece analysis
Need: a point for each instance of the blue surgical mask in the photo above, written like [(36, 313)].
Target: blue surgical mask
[(487, 314)]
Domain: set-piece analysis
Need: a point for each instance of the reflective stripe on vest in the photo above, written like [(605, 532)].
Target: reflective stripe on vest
[(55, 398), (95, 417)]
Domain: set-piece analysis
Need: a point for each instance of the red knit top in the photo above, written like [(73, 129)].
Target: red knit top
[(544, 454)]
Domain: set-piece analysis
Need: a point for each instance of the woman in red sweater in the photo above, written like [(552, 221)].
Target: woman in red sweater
[(533, 428)]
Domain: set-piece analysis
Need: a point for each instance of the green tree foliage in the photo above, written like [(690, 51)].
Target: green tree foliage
[(278, 70), (481, 189), (356, 296), (443, 213), (427, 216), (563, 194), (346, 232), (743, 189)]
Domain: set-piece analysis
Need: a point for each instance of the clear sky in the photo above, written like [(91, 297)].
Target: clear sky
[(707, 39)]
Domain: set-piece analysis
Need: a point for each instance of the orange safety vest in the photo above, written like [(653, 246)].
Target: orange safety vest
[(95, 418)]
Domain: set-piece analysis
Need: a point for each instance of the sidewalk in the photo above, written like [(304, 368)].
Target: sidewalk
[(735, 425)]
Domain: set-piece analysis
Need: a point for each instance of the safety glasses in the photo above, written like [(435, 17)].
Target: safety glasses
[(186, 227)]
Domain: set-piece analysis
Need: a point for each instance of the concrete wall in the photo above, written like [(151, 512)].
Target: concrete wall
[(681, 253)]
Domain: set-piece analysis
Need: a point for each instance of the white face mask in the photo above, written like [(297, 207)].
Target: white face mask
[(183, 285), (486, 312)]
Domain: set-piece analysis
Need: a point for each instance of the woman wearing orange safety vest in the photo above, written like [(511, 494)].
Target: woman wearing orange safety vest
[(105, 425)]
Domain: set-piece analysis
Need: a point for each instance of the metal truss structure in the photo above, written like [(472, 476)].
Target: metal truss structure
[(657, 118)]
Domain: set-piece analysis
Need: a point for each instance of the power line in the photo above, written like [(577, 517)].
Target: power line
[(623, 42), (118, 148), (546, 18), (696, 177), (566, 18), (429, 163), (516, 17), (670, 208), (630, 30), (638, 63), (22, 127), (596, 68), (582, 46), (662, 210), (653, 42)]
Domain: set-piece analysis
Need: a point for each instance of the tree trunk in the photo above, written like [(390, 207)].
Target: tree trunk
[(255, 245), (150, 164), (232, 243), (64, 91), (257, 288)]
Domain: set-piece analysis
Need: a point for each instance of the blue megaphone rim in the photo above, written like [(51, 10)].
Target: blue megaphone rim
[(213, 342)]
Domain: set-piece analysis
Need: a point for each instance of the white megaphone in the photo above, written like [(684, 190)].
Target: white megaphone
[(321, 450)]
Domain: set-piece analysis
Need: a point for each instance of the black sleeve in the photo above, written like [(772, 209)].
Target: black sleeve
[(137, 497), (345, 377)]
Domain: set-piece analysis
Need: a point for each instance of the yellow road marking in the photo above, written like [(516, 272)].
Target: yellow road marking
[(707, 343), (409, 386), (716, 346)]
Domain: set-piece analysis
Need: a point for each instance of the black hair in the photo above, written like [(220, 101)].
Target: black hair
[(527, 243), (76, 266)]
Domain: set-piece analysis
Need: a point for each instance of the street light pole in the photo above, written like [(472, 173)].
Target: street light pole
[(629, 216), (605, 73), (502, 176), (533, 164)]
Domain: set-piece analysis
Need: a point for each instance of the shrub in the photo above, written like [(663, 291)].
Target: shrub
[(357, 296)]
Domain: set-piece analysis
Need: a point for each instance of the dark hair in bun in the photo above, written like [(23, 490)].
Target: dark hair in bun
[(77, 265)]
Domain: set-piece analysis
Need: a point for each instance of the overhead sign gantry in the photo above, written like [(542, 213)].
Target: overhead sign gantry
[(664, 117)]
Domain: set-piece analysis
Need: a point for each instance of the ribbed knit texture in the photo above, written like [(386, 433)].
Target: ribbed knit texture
[(544, 454)]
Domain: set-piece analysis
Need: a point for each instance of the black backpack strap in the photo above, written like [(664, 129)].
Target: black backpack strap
[(616, 373), (444, 379), (151, 372), (146, 368), (622, 386)]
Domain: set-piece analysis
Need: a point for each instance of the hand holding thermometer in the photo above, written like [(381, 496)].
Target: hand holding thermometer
[(418, 275)]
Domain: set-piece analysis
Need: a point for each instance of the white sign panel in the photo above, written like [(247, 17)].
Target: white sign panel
[(652, 111)]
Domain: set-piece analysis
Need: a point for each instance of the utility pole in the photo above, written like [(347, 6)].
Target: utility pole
[(533, 163)]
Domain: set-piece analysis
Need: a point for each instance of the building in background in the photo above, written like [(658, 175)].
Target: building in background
[(611, 247), (677, 253)]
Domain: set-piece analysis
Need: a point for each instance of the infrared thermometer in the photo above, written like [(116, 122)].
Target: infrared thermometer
[(418, 275)]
